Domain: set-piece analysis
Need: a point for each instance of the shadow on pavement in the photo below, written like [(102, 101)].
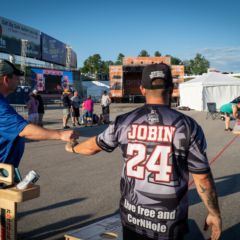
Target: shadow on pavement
[(61, 227), (232, 233), (49, 122), (91, 131), (51, 207), (225, 185), (194, 231)]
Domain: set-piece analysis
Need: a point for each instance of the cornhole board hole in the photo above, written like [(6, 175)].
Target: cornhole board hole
[(236, 128), (9, 197), (107, 228)]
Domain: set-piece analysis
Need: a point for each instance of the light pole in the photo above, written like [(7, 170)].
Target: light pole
[(23, 59), (68, 57)]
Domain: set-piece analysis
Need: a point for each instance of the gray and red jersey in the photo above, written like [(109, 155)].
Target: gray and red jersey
[(160, 146)]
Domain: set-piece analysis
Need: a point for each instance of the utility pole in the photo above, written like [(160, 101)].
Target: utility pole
[(68, 57), (23, 59)]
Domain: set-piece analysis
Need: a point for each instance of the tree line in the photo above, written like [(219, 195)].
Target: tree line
[(95, 67)]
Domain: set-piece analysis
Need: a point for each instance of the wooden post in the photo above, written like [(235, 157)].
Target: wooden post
[(9, 197), (8, 220)]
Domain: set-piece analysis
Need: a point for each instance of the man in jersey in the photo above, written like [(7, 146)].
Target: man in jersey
[(160, 147)]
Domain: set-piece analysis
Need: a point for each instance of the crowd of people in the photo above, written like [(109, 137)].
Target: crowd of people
[(82, 112)]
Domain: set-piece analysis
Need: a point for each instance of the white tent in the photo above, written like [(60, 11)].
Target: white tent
[(211, 87), (95, 88)]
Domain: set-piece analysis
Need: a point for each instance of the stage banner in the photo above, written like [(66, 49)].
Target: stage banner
[(53, 50), (11, 35)]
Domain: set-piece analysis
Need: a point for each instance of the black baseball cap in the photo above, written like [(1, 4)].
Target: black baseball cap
[(7, 67), (157, 71)]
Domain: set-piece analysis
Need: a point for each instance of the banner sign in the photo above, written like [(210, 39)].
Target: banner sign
[(12, 34), (51, 81), (73, 61), (53, 50)]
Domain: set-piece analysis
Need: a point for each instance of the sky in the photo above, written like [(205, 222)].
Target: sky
[(109, 27)]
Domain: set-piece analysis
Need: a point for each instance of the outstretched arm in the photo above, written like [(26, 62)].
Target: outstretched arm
[(207, 191), (88, 147), (35, 132)]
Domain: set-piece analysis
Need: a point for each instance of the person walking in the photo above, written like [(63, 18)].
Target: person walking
[(105, 103), (13, 127), (41, 109), (160, 147), (230, 110)]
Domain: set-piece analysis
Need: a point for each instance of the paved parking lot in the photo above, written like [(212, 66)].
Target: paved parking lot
[(78, 189)]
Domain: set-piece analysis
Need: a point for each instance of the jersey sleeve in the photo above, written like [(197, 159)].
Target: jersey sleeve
[(11, 123), (197, 156), (108, 139)]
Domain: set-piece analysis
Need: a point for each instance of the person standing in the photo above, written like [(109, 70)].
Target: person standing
[(41, 109), (75, 105), (13, 127), (66, 108), (88, 111), (32, 106), (160, 147), (230, 109), (105, 103)]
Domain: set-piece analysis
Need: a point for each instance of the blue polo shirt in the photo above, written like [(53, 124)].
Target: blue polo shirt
[(11, 124)]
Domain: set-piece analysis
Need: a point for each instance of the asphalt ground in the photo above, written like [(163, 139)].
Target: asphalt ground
[(76, 189)]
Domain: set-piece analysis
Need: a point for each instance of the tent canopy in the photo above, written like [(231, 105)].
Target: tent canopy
[(211, 87), (95, 88)]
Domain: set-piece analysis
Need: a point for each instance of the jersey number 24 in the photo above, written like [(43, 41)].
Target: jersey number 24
[(157, 162)]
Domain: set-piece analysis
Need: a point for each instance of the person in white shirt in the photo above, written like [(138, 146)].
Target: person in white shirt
[(105, 103)]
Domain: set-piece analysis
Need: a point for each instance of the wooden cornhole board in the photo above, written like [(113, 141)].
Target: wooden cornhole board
[(236, 128), (9, 197), (108, 228)]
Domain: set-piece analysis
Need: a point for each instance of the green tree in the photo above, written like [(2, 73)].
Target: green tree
[(198, 65), (157, 54), (187, 69), (105, 69), (176, 61), (92, 64), (96, 67), (120, 59), (143, 53)]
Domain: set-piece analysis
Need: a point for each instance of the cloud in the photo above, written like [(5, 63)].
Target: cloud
[(224, 59)]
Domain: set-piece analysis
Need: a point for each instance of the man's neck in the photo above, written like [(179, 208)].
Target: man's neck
[(161, 101)]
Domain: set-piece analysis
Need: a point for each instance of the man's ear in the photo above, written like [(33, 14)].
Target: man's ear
[(5, 80), (143, 90)]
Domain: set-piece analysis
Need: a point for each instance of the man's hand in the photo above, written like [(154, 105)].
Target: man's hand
[(207, 191), (88, 147), (69, 146), (68, 136), (215, 222)]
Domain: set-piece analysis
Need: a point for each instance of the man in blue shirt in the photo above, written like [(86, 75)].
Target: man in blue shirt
[(13, 127)]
